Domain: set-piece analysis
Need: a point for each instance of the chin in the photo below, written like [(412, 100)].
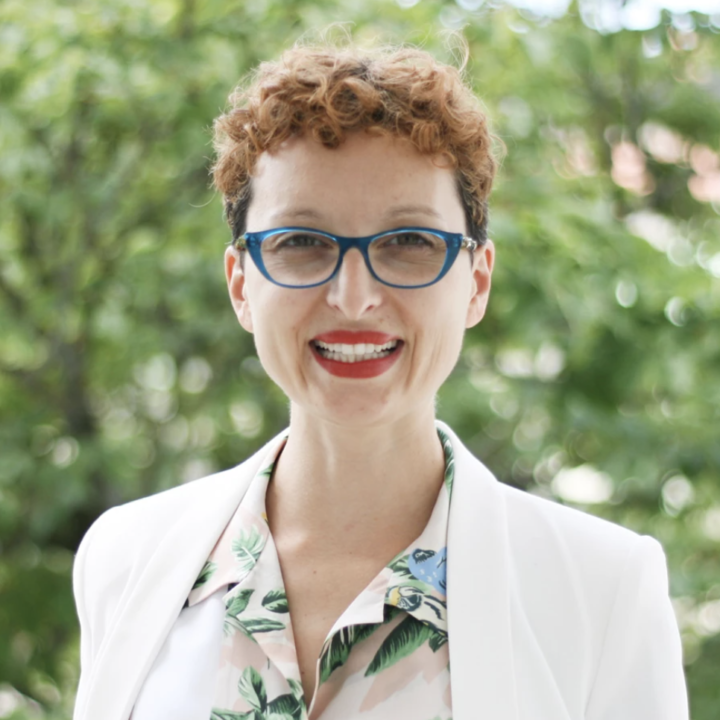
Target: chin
[(358, 411), (361, 409)]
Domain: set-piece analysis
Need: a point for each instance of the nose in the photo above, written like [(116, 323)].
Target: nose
[(354, 291)]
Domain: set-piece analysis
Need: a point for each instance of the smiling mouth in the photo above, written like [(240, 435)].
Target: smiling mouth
[(359, 352)]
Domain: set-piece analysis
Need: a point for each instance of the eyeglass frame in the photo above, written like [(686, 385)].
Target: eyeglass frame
[(454, 242)]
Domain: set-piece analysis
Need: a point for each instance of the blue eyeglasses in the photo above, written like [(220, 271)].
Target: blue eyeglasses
[(408, 257)]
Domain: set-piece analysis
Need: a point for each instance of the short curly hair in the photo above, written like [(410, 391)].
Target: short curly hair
[(327, 92)]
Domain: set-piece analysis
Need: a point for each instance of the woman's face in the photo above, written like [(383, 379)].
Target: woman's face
[(365, 186)]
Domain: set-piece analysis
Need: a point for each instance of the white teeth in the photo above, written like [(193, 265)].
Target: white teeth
[(344, 352)]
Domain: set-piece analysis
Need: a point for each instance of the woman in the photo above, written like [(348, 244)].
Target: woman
[(363, 563)]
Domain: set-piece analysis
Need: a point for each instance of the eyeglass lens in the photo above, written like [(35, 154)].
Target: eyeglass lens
[(403, 258)]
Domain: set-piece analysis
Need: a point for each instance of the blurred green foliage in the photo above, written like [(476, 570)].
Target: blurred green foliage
[(594, 380)]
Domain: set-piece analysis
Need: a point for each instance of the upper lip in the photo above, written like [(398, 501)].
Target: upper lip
[(355, 337)]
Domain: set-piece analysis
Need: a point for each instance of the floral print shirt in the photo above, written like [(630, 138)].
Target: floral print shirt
[(385, 657)]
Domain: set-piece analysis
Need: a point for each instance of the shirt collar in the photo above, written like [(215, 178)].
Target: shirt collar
[(237, 552), (418, 576), (414, 581)]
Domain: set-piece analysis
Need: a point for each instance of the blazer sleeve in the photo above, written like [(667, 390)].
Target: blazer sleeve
[(80, 598), (640, 674), (87, 579)]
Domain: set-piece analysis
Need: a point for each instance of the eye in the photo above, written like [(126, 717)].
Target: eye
[(296, 240), (412, 240), (409, 238)]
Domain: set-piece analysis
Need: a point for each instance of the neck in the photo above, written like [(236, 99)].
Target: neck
[(336, 480)]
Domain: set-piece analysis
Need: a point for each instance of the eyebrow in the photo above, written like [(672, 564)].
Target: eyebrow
[(296, 213), (391, 214), (402, 210)]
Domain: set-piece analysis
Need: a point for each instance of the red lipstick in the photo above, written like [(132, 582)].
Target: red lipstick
[(362, 368)]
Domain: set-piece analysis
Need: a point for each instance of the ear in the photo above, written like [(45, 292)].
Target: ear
[(482, 267), (235, 276)]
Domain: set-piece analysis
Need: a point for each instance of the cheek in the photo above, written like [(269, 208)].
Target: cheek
[(278, 319), (442, 328), (450, 345), (276, 356), (451, 324)]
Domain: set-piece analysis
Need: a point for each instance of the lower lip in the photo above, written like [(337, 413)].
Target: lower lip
[(360, 369)]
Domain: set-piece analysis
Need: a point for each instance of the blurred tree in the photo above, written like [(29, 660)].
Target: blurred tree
[(594, 380)]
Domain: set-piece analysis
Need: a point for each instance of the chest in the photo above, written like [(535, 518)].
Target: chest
[(319, 590), (324, 575)]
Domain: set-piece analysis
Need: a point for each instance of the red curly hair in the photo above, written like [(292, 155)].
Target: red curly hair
[(327, 92)]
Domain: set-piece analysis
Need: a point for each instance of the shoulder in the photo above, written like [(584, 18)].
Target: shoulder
[(542, 527), (567, 566), (570, 557), (150, 516), (141, 522), (118, 545), (590, 589), (548, 525), (125, 535)]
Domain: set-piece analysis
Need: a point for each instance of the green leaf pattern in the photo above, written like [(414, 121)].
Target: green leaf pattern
[(247, 549), (205, 574), (449, 459), (399, 565), (337, 648), (407, 637), (235, 604), (252, 689), (231, 715), (276, 601)]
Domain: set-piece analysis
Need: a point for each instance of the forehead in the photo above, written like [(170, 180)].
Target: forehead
[(366, 180)]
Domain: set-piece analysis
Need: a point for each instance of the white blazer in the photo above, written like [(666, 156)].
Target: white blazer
[(553, 614)]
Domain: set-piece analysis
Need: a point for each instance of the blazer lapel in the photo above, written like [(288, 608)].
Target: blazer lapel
[(155, 601), (481, 648)]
